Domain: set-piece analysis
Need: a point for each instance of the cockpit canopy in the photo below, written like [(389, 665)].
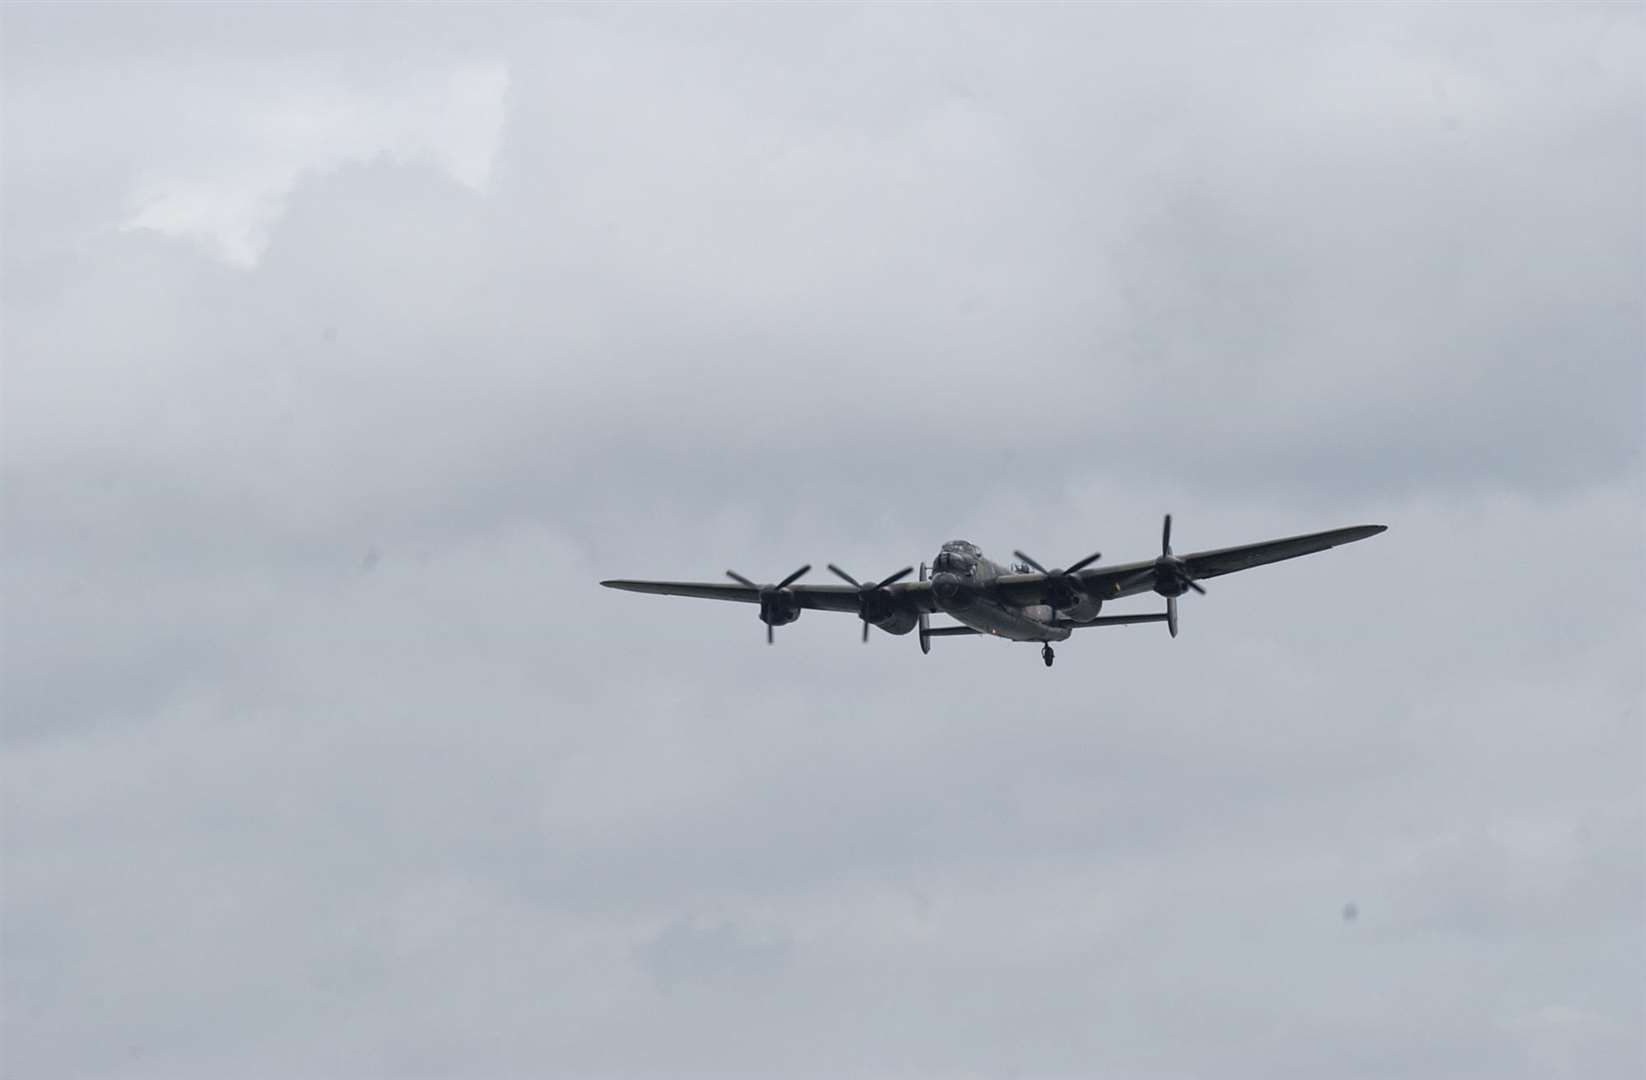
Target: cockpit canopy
[(957, 557)]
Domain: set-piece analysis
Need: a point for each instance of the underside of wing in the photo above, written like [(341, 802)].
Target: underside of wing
[(703, 590), (917, 595), (1227, 560)]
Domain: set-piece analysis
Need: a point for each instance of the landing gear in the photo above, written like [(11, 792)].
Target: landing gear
[(1046, 654)]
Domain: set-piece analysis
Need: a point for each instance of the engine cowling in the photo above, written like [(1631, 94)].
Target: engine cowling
[(897, 622), (1171, 577), (1083, 610), (877, 605), (779, 607)]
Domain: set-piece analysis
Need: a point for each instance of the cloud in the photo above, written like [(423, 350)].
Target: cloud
[(234, 198), (324, 753)]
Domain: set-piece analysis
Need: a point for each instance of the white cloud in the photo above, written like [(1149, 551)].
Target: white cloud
[(232, 192)]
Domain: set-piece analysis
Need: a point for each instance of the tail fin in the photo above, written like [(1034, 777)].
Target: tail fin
[(925, 622)]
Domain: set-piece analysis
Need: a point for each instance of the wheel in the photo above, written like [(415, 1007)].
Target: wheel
[(1046, 654)]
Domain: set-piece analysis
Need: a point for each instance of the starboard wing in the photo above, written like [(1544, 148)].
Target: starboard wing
[(1130, 579)]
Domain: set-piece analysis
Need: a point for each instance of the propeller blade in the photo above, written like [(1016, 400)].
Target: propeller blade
[(1166, 536), (794, 577), (741, 580), (1083, 563), (865, 591), (1195, 585), (1025, 559), (843, 576), (1171, 614), (895, 578)]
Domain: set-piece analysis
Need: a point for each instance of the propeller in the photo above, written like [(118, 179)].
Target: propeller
[(776, 602), (1171, 576), (1062, 587), (873, 599)]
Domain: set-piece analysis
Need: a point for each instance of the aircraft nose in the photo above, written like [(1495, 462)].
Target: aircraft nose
[(950, 590)]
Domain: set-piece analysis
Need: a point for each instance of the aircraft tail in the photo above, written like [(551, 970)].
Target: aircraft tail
[(925, 623)]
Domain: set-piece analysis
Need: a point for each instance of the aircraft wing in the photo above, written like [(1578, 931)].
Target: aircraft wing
[(1022, 590), (1207, 564), (917, 594), (1130, 579)]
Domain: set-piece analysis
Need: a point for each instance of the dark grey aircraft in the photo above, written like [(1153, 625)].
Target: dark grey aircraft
[(1022, 602)]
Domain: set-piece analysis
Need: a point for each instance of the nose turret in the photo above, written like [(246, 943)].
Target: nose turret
[(951, 590)]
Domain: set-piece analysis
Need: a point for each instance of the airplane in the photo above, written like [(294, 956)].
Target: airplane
[(1020, 602)]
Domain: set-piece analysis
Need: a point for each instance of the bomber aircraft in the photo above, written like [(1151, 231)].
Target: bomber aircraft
[(1021, 602)]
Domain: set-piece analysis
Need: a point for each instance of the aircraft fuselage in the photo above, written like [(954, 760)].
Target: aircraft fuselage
[(960, 578)]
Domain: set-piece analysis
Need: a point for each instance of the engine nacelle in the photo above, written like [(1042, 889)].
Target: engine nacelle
[(898, 622), (1171, 577), (779, 607), (1084, 610)]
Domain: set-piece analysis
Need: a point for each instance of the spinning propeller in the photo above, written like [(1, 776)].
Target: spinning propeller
[(777, 604), (874, 599)]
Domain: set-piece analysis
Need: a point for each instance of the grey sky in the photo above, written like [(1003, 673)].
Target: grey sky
[(347, 347)]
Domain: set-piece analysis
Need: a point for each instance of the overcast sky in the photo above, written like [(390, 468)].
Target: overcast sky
[(347, 347)]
